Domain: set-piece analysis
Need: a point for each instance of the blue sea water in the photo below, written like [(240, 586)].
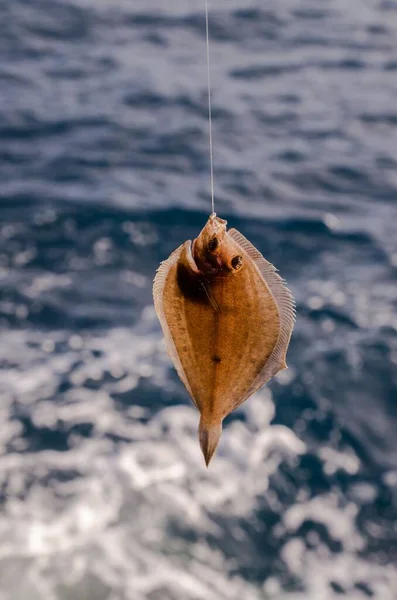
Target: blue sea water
[(104, 171)]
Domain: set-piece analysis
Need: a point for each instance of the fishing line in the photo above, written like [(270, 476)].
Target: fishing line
[(209, 105)]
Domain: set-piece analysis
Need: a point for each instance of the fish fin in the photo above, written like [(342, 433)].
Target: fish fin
[(159, 283), (285, 304), (209, 436)]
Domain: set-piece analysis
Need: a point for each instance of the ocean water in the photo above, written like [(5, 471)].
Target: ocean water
[(104, 171)]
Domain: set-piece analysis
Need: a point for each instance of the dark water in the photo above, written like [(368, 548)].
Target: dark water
[(104, 171)]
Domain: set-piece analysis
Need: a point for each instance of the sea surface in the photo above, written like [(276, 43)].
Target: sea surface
[(104, 170)]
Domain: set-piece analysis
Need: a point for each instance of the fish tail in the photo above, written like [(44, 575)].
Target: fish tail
[(209, 435)]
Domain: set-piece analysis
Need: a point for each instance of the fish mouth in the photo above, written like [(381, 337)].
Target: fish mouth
[(206, 254), (217, 223)]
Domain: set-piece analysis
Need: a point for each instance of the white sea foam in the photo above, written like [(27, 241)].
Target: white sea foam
[(131, 512)]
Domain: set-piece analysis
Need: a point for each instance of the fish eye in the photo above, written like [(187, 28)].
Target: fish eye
[(213, 244), (237, 261)]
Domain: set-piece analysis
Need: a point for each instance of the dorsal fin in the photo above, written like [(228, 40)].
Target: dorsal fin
[(158, 296), (286, 307)]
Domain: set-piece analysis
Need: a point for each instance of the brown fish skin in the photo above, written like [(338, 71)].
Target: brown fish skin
[(227, 318)]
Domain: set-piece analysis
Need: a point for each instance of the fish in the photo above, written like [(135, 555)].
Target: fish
[(227, 319)]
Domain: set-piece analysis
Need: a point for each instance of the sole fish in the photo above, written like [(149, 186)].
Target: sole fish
[(227, 319)]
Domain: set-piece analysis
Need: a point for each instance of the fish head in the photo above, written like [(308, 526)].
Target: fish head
[(214, 251)]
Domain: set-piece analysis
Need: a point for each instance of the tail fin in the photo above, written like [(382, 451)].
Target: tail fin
[(209, 435)]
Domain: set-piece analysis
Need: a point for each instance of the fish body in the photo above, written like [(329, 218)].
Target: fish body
[(227, 319)]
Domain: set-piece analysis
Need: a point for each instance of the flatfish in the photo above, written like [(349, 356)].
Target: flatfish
[(227, 319)]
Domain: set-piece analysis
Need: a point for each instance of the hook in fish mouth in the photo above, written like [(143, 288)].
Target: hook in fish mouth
[(216, 221)]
